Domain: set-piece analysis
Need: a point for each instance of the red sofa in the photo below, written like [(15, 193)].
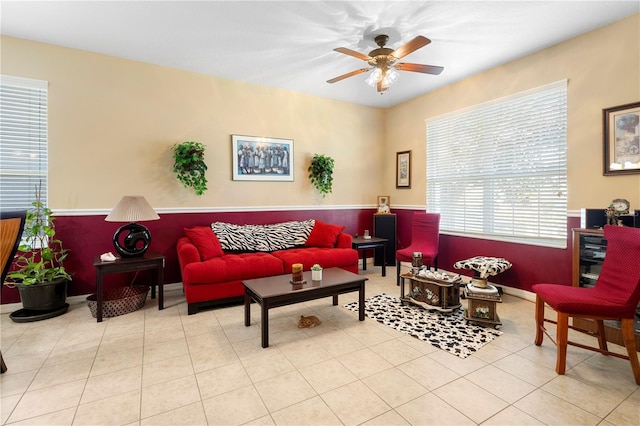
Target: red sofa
[(212, 273)]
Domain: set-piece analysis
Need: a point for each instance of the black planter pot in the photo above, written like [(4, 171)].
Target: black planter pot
[(41, 301)]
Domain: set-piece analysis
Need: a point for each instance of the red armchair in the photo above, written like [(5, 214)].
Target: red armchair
[(615, 296), (425, 238)]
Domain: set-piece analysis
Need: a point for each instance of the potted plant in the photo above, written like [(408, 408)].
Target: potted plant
[(321, 173), (316, 272), (39, 273), (189, 165)]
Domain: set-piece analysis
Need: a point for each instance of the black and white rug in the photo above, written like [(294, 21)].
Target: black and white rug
[(446, 331)]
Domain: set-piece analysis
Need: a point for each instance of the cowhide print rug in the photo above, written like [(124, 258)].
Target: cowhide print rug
[(447, 331)]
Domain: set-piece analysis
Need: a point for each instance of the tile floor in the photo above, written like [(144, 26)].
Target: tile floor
[(164, 367)]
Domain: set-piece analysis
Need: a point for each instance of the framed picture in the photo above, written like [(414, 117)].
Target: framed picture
[(403, 169), (259, 158), (384, 204), (621, 126)]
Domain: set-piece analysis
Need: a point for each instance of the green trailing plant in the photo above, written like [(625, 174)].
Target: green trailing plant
[(40, 255), (321, 173), (189, 165)]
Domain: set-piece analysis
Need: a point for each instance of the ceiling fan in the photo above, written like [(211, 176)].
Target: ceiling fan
[(384, 62)]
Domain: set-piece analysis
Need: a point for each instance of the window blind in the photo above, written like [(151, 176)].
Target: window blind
[(23, 141), (498, 170)]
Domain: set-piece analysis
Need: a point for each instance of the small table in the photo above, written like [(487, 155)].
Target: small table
[(130, 264), (482, 306), (272, 292), (360, 243), (431, 293)]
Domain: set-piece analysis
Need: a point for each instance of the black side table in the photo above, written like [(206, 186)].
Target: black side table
[(359, 243), (130, 264)]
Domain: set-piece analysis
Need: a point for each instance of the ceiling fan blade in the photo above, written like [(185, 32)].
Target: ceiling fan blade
[(426, 69), (349, 74), (352, 53), (411, 46)]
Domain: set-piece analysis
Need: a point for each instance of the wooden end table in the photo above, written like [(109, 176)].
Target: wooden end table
[(149, 261), (362, 244)]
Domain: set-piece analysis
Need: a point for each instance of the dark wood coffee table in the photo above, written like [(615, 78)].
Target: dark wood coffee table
[(272, 292)]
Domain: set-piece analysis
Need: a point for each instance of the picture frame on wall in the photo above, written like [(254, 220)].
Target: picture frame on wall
[(262, 159), (621, 128), (403, 169), (384, 204)]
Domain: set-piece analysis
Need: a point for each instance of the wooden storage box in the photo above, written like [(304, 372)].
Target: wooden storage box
[(431, 293)]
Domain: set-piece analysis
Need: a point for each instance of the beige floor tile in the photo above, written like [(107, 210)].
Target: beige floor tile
[(63, 354), (108, 362), (593, 399), (207, 341), (312, 411), (431, 410), (396, 351), (115, 410), (268, 364), (284, 390), (339, 343), (303, 353), (457, 364), (16, 383), (57, 418), (390, 418), (7, 404), (237, 407), (627, 413), (192, 415), (364, 363), (428, 373), (22, 363), (211, 358), (222, 380), (328, 375), (56, 374), (169, 395), (529, 371), (552, 410), (112, 384), (341, 402), (511, 416), (501, 384), (477, 403), (165, 350), (48, 400), (165, 370), (394, 387)]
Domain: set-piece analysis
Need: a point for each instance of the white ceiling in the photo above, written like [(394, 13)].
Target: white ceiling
[(289, 44)]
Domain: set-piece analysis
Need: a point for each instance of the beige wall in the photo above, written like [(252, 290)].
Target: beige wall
[(112, 123), (603, 70)]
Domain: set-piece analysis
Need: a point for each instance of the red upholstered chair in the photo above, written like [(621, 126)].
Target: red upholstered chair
[(615, 296), (425, 238)]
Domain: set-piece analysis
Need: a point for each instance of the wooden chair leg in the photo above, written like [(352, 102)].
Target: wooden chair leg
[(628, 336), (539, 320), (562, 336), (602, 338)]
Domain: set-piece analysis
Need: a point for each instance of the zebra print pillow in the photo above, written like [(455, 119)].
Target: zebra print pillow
[(265, 238)]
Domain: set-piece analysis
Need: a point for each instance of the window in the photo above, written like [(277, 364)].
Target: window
[(499, 170), (23, 141)]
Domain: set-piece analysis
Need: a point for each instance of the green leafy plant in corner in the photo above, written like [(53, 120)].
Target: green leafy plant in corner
[(40, 255), (189, 165), (321, 173)]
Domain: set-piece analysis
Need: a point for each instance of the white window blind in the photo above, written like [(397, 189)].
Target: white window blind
[(23, 141), (498, 170)]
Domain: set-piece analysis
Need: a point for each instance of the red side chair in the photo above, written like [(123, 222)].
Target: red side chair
[(615, 296), (425, 238)]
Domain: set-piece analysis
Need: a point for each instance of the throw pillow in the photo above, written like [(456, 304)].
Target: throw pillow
[(205, 241), (323, 235)]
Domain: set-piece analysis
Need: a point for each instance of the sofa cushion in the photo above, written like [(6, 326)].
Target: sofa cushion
[(323, 235), (325, 257), (267, 238), (232, 267), (205, 241)]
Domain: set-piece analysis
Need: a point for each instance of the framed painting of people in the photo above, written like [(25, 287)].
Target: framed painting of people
[(262, 158)]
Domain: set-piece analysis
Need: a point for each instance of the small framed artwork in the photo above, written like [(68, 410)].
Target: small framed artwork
[(621, 127), (384, 204), (403, 169), (260, 158)]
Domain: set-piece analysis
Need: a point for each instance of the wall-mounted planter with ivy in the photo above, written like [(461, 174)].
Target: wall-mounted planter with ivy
[(321, 173), (189, 165)]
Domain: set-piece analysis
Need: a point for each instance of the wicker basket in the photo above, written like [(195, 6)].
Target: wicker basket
[(119, 301)]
